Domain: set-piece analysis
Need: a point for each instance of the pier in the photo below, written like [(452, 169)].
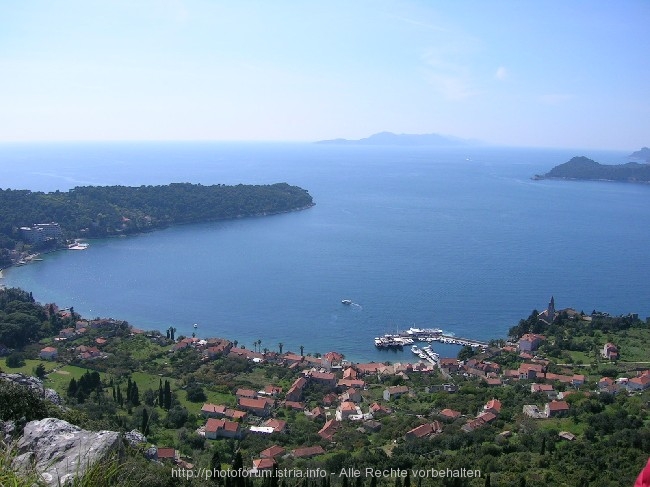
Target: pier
[(409, 337)]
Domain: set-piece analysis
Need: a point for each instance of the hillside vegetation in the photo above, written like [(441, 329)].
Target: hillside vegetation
[(585, 168), (102, 211)]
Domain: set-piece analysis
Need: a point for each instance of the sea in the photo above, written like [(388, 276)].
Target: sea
[(460, 239)]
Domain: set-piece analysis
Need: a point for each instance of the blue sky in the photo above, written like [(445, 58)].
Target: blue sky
[(525, 73)]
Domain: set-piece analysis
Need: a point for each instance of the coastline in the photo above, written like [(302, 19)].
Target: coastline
[(539, 177), (30, 258)]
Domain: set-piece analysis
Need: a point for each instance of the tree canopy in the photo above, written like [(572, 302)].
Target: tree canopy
[(99, 211)]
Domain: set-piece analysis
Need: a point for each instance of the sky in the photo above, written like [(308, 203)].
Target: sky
[(557, 73)]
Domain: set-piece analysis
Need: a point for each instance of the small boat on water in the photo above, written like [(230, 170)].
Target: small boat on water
[(78, 246), (347, 302)]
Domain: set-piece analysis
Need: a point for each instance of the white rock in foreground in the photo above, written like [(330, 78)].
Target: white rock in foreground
[(60, 451)]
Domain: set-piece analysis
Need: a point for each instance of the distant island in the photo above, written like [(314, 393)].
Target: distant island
[(389, 138), (641, 155), (583, 168), (32, 222)]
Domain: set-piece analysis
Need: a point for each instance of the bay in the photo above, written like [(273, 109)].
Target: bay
[(460, 239)]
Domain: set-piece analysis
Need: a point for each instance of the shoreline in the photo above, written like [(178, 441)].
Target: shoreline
[(151, 230)]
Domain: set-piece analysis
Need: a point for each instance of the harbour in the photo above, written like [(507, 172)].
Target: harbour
[(409, 337)]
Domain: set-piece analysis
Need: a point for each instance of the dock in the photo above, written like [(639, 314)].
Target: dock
[(412, 335)]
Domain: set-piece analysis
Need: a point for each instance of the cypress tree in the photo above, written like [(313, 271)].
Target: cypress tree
[(145, 422), (72, 387), (273, 481), (135, 395), (161, 395), (238, 465), (128, 390), (168, 396), (215, 466)]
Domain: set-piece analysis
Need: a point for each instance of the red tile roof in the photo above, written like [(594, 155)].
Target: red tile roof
[(450, 413), (558, 406), (308, 451), (263, 463), (425, 430), (166, 453), (272, 452)]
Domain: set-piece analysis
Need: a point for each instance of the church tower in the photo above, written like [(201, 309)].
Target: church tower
[(551, 310)]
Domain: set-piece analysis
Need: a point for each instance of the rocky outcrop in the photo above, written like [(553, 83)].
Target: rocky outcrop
[(34, 384), (60, 451), (134, 438), (7, 431)]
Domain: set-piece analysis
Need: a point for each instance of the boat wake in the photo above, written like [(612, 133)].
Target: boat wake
[(348, 302)]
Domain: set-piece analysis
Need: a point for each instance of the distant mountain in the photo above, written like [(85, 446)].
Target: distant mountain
[(585, 168), (389, 138), (641, 155)]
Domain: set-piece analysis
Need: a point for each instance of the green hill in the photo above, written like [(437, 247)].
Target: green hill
[(583, 168)]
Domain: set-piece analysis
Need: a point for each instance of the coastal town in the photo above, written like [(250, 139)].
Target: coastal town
[(330, 399)]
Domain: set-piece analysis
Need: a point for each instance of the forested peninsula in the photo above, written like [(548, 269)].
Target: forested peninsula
[(103, 211), (583, 168)]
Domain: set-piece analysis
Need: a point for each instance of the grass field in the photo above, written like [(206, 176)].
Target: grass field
[(60, 379), (28, 368), (632, 345)]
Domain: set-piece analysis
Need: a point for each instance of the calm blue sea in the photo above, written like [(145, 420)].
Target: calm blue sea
[(460, 239)]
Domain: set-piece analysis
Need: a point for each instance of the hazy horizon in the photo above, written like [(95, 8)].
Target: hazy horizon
[(553, 74)]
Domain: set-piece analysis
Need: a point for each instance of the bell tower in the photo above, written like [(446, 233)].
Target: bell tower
[(551, 310)]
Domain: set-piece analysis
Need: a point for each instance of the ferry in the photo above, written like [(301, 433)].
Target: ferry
[(423, 333)]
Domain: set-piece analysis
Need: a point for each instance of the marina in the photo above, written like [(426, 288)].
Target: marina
[(408, 337), (426, 353)]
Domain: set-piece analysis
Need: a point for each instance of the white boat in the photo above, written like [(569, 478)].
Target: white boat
[(346, 301), (78, 246), (423, 332)]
